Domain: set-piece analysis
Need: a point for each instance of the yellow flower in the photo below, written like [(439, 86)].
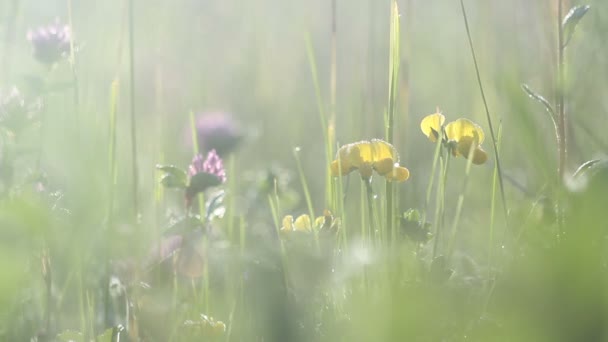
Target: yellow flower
[(467, 135), (431, 126), (301, 224), (459, 136), (367, 156)]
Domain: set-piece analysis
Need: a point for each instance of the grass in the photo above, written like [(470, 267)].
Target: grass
[(97, 243)]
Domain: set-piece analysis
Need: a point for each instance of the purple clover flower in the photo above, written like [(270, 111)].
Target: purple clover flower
[(216, 131), (51, 43), (204, 174), (213, 165)]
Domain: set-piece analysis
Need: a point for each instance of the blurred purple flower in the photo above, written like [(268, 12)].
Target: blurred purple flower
[(217, 131), (204, 174), (211, 165), (51, 43)]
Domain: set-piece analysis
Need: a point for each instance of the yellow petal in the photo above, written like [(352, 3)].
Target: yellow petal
[(302, 223), (464, 147), (319, 222), (431, 125), (287, 223), (479, 156), (384, 156), (399, 174), (361, 157), (460, 128), (342, 162), (361, 153), (382, 150), (384, 166)]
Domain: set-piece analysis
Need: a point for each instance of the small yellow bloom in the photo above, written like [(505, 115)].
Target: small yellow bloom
[(431, 126), (367, 156), (301, 224), (461, 136)]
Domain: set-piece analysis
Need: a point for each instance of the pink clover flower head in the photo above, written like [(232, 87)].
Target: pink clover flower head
[(204, 173)]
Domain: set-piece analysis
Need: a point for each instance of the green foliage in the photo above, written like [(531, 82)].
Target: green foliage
[(91, 250), (571, 20)]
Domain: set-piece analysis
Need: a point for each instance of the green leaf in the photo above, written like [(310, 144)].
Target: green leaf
[(170, 181), (174, 177), (535, 96), (201, 182), (586, 166), (216, 207), (571, 20)]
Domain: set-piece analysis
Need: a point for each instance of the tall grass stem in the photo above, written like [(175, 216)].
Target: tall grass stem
[(488, 116)]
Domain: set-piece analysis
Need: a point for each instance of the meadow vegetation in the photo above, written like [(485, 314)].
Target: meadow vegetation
[(362, 170)]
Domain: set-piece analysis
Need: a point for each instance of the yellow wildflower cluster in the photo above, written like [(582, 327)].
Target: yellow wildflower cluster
[(303, 224), (367, 156), (462, 136)]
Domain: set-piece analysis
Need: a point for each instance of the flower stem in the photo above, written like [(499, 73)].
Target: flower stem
[(134, 167), (561, 116), (370, 206), (440, 203), (392, 102), (487, 110)]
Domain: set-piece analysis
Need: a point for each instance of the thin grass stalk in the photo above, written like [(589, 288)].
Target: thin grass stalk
[(331, 127), (460, 203), (339, 200), (308, 198), (76, 93), (392, 102), (9, 33), (364, 213), (134, 163), (429, 188), (232, 188), (493, 211), (561, 138), (112, 176), (201, 208), (487, 110), (370, 207), (322, 116), (194, 134), (561, 116), (159, 189), (274, 209), (440, 202)]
